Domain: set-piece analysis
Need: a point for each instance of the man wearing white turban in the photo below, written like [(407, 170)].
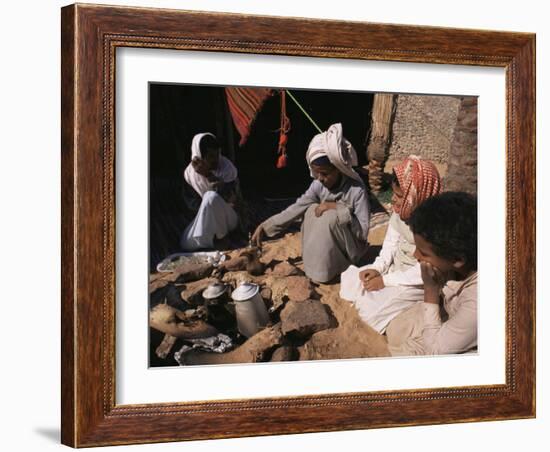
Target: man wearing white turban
[(334, 209), (209, 175)]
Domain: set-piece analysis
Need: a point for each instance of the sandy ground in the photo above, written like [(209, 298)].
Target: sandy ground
[(348, 336), (351, 338)]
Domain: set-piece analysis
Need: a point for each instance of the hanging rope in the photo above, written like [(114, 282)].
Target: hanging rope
[(285, 127), (283, 133), (304, 111)]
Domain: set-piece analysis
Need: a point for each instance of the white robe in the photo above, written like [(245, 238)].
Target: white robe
[(215, 219), (226, 171), (401, 275), (421, 331)]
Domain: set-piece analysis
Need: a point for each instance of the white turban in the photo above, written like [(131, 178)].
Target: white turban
[(196, 144), (225, 171), (336, 148)]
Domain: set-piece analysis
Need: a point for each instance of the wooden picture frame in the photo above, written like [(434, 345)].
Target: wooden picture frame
[(90, 36)]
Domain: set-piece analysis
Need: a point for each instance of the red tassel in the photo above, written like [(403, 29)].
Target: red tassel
[(281, 161), (283, 131)]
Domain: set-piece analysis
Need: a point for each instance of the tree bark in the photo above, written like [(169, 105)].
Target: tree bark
[(380, 137)]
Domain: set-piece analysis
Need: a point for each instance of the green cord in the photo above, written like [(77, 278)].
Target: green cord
[(305, 112)]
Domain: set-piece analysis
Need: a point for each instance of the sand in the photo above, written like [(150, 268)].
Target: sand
[(346, 337), (351, 338)]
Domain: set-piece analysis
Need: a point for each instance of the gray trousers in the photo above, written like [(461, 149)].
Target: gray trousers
[(328, 246)]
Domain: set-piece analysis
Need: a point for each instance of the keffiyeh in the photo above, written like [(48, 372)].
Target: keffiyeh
[(419, 180)]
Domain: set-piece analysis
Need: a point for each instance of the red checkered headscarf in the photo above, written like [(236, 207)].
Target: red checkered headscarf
[(419, 179)]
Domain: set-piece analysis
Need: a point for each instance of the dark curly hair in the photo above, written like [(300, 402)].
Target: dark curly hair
[(449, 223)]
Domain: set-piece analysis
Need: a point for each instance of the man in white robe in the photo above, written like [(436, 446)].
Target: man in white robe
[(208, 174)]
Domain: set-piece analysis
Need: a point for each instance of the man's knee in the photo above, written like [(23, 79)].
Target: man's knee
[(330, 217), (311, 210)]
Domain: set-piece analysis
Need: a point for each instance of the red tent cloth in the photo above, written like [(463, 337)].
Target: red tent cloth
[(244, 105)]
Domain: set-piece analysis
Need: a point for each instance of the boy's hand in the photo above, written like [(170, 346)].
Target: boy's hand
[(434, 281), (376, 283), (371, 279), (200, 166), (216, 184), (323, 207), (368, 274), (256, 238)]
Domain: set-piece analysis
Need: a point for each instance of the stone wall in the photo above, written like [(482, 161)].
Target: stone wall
[(423, 125)]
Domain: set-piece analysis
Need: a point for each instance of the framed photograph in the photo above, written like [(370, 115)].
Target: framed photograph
[(230, 187)]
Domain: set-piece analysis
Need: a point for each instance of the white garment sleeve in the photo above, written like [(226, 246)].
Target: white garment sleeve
[(199, 183), (384, 260), (227, 171), (458, 334), (409, 277)]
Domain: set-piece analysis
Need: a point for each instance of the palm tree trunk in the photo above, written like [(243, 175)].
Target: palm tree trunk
[(377, 150)]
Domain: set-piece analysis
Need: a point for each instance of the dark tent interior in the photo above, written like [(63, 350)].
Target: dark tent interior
[(178, 112)]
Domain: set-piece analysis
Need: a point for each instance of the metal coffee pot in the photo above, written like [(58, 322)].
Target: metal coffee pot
[(250, 309)]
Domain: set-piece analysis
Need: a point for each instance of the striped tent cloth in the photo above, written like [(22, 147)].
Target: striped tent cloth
[(244, 105)]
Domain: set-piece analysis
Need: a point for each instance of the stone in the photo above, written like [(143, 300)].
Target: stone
[(284, 353), (165, 347), (154, 276), (304, 318), (299, 288), (234, 264), (294, 288), (183, 273), (247, 259), (289, 247), (192, 293), (191, 272), (169, 320), (235, 279), (285, 268), (266, 294), (157, 284), (255, 349)]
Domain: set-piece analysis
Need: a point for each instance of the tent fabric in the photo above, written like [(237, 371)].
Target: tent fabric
[(244, 105)]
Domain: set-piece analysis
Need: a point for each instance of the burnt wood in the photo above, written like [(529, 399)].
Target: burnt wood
[(90, 36)]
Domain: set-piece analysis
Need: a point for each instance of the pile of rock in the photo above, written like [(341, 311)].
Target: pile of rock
[(179, 311)]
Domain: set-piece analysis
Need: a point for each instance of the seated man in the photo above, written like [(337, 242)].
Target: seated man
[(445, 233), (334, 209), (211, 183)]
